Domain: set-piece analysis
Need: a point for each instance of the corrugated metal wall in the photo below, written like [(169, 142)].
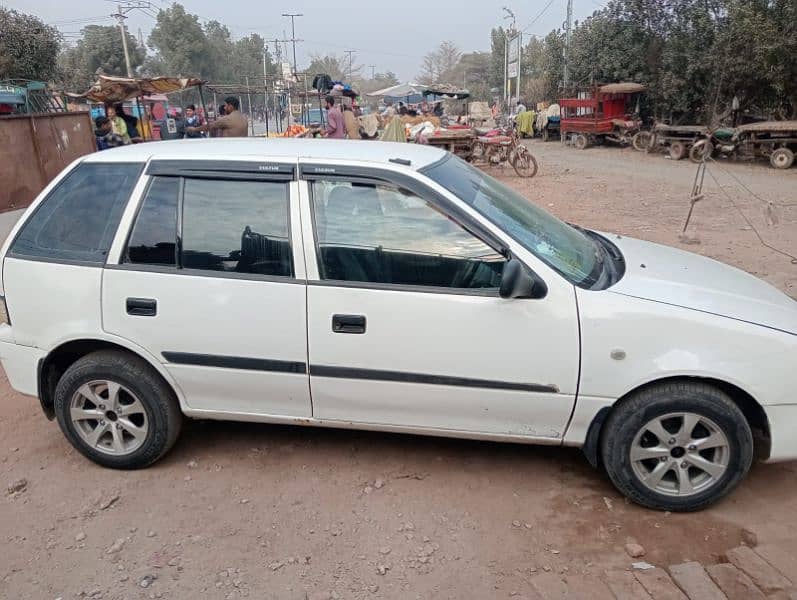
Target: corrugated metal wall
[(35, 148)]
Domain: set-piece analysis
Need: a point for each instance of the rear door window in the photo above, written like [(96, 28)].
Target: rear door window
[(77, 221)]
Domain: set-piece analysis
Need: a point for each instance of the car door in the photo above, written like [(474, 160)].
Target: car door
[(406, 328), (211, 281)]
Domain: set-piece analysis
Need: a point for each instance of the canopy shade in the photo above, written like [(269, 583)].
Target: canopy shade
[(399, 91), (118, 89), (622, 88), (446, 90)]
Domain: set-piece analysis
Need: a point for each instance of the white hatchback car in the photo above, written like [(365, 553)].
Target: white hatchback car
[(388, 287)]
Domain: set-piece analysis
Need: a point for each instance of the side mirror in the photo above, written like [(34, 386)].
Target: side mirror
[(517, 282)]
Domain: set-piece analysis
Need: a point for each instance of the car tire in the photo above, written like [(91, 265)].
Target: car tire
[(675, 474), (117, 410)]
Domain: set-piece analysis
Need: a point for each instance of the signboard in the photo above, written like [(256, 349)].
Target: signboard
[(513, 51), (512, 70)]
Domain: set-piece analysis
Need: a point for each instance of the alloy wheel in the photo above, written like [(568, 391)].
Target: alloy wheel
[(680, 454), (109, 418)]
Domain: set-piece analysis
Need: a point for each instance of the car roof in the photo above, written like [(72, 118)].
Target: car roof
[(267, 148)]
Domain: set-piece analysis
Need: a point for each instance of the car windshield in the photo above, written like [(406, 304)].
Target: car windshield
[(566, 249)]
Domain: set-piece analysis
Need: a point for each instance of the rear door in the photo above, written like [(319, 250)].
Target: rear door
[(211, 281)]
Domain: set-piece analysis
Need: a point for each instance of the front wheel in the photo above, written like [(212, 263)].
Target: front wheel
[(782, 158), (701, 151), (524, 163), (116, 410), (642, 141), (677, 447)]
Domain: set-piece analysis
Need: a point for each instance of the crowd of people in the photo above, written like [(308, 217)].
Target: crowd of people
[(118, 128)]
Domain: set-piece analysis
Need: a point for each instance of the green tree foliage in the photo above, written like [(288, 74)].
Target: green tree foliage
[(694, 56), (100, 49), (28, 47), (181, 46)]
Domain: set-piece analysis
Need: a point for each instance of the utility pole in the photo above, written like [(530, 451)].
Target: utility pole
[(122, 8), (568, 28), (507, 37), (373, 71), (351, 61), (293, 36)]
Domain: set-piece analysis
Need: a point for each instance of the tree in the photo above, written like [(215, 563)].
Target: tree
[(438, 64), (100, 49), (337, 67), (497, 58), (180, 44), (28, 47)]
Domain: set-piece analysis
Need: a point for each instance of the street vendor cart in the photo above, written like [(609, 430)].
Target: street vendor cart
[(603, 113)]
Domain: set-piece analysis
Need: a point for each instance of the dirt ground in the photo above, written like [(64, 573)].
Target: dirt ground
[(285, 512)]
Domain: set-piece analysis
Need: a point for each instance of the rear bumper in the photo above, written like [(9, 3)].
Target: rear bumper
[(21, 364), (783, 432)]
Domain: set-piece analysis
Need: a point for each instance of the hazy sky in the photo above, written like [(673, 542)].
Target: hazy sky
[(384, 34)]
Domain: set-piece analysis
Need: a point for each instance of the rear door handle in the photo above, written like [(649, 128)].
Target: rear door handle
[(348, 323), (142, 307)]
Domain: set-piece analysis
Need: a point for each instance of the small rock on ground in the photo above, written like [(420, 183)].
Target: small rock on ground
[(635, 550)]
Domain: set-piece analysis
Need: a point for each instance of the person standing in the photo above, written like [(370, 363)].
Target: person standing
[(232, 124), (192, 119), (336, 128), (351, 123)]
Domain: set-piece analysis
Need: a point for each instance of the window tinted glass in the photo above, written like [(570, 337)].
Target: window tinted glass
[(78, 220), (381, 234), (566, 249), (236, 226), (154, 235)]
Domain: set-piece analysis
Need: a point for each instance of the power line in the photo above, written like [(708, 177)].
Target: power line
[(539, 16)]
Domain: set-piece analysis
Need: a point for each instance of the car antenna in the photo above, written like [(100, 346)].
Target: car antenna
[(401, 161)]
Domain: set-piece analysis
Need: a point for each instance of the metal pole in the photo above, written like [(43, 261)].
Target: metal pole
[(568, 27), (265, 88), (506, 67), (249, 102), (519, 60), (202, 100)]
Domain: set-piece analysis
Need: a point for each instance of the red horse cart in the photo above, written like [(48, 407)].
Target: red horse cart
[(604, 113)]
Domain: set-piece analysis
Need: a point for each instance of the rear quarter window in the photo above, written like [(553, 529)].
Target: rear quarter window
[(77, 221)]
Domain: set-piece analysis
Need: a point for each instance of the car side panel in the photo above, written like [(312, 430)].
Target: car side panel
[(629, 342), (49, 301)]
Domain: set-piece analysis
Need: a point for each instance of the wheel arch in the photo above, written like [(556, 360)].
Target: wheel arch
[(753, 412), (52, 367)]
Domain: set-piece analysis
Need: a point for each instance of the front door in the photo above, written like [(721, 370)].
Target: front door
[(208, 284), (406, 327)]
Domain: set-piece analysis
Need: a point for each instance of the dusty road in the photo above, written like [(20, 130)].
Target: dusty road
[(280, 512)]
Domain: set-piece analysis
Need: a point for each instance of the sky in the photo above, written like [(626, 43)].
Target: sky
[(391, 42)]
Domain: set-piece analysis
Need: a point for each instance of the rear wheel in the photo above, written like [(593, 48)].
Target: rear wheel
[(524, 163), (581, 141), (782, 158), (677, 446), (677, 150), (116, 410)]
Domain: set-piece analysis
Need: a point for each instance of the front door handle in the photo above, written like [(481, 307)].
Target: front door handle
[(348, 323), (142, 307)]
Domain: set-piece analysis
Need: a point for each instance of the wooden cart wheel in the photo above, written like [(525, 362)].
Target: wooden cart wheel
[(580, 141), (782, 158), (677, 150), (642, 141), (701, 150)]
